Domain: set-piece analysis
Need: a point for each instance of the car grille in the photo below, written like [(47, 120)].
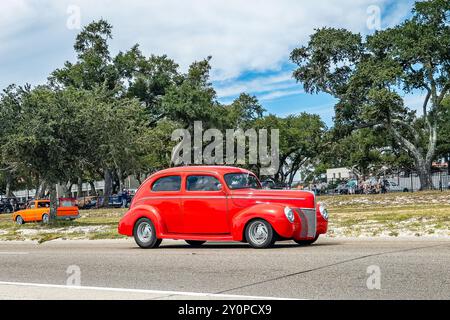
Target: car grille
[(308, 220)]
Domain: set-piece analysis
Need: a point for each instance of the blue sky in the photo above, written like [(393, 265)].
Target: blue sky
[(249, 40)]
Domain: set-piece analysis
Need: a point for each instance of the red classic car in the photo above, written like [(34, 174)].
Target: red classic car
[(212, 203)]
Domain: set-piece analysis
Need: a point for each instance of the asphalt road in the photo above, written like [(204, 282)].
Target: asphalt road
[(331, 269)]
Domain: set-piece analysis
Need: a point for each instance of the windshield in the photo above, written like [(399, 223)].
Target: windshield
[(242, 181)]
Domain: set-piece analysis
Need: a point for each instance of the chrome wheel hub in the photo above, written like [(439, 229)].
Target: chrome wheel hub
[(258, 233), (144, 232)]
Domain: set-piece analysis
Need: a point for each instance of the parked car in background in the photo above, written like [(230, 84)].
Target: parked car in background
[(213, 203), (342, 188), (86, 203), (270, 184), (115, 201), (392, 186), (39, 211), (6, 206)]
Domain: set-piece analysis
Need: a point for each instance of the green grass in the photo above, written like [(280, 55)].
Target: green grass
[(396, 214)]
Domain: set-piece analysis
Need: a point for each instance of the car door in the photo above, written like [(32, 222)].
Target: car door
[(165, 197), (41, 208), (29, 213), (204, 204)]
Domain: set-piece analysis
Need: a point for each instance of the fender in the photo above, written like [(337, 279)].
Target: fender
[(272, 213), (142, 211)]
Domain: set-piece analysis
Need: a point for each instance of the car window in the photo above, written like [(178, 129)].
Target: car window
[(242, 181), (172, 183), (43, 205), (203, 183), (66, 203)]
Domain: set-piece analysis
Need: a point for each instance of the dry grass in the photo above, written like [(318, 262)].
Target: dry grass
[(93, 224), (395, 214)]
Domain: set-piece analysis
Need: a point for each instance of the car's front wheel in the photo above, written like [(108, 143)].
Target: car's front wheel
[(307, 242), (195, 243), (259, 234), (145, 234)]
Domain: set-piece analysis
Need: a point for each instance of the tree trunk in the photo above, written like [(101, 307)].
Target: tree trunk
[(120, 180), (79, 188), (53, 202), (67, 189), (8, 191), (292, 176), (92, 192), (424, 171), (40, 192), (138, 178), (108, 187), (447, 159), (422, 161)]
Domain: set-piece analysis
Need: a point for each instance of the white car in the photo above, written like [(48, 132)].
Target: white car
[(392, 186)]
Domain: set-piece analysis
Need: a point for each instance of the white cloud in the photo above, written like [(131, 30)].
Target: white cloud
[(259, 84), (241, 35), (279, 94)]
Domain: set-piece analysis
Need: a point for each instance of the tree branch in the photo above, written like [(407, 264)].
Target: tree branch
[(409, 146), (425, 103), (410, 128), (431, 144), (444, 91)]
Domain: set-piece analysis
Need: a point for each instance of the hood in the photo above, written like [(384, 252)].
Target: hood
[(292, 198)]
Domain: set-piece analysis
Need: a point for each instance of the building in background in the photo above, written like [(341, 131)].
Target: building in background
[(340, 174)]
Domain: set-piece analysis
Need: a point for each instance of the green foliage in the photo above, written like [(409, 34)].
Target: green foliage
[(301, 142), (443, 149), (370, 78), (243, 112), (114, 115)]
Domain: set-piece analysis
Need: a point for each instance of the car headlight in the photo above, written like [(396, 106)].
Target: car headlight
[(289, 214), (323, 211)]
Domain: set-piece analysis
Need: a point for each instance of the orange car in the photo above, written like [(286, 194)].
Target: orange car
[(39, 210)]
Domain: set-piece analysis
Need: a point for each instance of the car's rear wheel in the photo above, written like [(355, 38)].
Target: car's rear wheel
[(45, 218), (19, 220), (259, 234), (307, 242), (145, 234), (195, 243)]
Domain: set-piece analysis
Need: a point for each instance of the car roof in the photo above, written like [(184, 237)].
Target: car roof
[(211, 169)]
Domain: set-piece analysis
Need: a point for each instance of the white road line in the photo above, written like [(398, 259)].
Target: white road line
[(125, 290), (13, 253)]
